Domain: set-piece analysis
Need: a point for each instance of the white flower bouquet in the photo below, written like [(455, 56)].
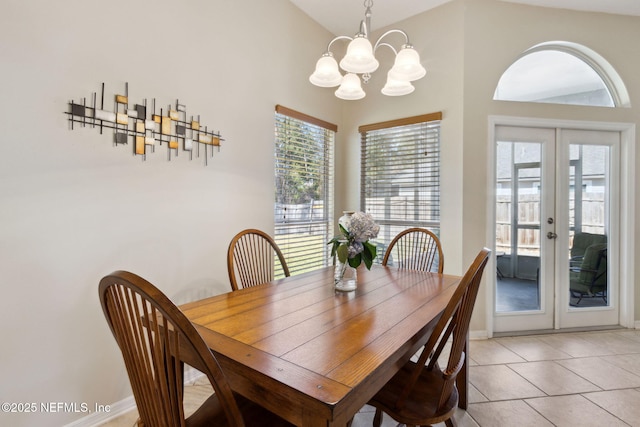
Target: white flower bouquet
[(352, 245)]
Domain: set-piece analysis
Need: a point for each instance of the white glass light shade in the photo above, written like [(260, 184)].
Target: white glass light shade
[(359, 58), (407, 65), (395, 87), (350, 89), (326, 73)]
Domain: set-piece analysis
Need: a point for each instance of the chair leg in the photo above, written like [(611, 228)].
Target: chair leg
[(377, 418)]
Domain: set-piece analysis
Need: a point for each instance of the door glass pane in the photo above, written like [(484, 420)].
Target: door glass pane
[(588, 213), (518, 198)]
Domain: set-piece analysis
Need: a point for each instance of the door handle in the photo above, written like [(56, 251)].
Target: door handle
[(552, 235)]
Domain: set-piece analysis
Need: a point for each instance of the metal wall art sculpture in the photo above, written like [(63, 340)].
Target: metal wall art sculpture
[(144, 127)]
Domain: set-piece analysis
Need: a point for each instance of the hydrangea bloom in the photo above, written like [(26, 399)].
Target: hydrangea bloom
[(353, 245), (362, 227)]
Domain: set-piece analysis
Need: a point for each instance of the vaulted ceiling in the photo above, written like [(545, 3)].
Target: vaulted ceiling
[(342, 17)]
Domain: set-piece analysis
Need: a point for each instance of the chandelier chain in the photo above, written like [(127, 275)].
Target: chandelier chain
[(368, 3)]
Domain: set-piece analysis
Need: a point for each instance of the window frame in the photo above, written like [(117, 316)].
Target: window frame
[(294, 221), (428, 127), (609, 77)]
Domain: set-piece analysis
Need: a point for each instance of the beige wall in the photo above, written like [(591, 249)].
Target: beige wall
[(495, 34), (438, 35), (466, 45), (74, 208)]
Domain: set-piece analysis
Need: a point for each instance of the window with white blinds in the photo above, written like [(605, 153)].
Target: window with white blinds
[(303, 188), (400, 175)]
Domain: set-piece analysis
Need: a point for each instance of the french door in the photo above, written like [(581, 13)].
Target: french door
[(556, 209)]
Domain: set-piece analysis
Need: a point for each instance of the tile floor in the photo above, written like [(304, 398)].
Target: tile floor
[(567, 379)]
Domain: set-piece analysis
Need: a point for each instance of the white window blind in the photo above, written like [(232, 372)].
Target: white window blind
[(303, 188), (400, 175)]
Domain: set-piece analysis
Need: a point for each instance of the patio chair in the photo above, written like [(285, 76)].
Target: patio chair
[(588, 279), (581, 241), (154, 335), (250, 259)]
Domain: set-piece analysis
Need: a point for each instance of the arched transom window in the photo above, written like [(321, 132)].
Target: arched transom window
[(562, 73)]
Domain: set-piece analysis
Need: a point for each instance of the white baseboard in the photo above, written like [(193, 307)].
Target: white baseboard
[(125, 405), (636, 324), (478, 335), (98, 418)]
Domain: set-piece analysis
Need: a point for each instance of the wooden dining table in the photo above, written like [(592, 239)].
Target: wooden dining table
[(315, 356)]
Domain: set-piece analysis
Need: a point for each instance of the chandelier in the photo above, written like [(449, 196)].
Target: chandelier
[(360, 60)]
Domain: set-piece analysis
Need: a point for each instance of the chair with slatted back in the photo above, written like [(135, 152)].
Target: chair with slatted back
[(250, 259), (415, 249), (422, 393), (153, 335)]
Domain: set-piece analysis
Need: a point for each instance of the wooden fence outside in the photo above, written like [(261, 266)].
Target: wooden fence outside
[(529, 215)]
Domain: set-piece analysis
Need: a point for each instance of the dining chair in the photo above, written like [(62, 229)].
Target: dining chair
[(250, 259), (153, 335), (422, 393), (415, 249)]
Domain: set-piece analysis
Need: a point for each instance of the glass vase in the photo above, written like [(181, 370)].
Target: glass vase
[(345, 277)]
